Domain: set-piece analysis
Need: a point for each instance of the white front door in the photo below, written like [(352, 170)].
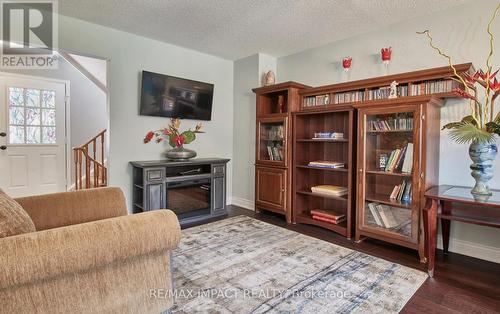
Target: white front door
[(32, 136)]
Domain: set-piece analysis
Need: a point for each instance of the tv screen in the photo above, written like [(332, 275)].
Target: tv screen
[(169, 96)]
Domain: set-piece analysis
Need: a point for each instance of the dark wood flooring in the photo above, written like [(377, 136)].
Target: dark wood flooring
[(461, 284)]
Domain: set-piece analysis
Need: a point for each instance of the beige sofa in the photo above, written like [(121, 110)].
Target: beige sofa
[(88, 256)]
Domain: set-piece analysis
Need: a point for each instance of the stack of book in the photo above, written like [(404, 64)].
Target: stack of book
[(400, 160), (326, 164), (331, 190), (383, 216), (392, 124), (327, 216), (328, 136), (431, 87), (402, 192), (275, 152)]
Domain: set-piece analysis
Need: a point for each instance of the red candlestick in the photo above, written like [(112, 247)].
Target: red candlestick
[(386, 55), (346, 63)]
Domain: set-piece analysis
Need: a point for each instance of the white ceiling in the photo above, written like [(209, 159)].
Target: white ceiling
[(233, 29)]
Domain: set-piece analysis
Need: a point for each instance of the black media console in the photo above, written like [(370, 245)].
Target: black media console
[(195, 190)]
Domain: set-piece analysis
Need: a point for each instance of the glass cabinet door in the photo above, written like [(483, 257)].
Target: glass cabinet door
[(272, 137), (388, 172)]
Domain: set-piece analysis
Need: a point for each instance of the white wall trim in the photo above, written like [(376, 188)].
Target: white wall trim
[(472, 249), (241, 202)]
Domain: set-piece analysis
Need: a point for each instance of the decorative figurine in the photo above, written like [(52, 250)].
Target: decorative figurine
[(270, 78), (394, 90)]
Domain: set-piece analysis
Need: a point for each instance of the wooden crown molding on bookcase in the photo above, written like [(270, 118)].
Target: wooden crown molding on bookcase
[(278, 87), (380, 81)]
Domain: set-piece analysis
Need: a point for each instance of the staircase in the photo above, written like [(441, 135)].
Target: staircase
[(90, 169)]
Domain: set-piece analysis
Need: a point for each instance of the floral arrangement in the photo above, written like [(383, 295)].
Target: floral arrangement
[(173, 135), (481, 89)]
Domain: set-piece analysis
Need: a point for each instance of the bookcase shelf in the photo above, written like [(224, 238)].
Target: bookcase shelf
[(333, 197), (306, 150), (326, 140), (322, 168), (387, 173)]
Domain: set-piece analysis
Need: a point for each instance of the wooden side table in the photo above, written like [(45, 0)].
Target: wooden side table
[(455, 203)]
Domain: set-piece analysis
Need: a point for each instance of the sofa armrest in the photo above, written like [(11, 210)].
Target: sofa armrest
[(45, 254), (70, 208)]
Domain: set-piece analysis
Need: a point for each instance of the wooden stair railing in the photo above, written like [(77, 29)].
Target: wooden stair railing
[(89, 172)]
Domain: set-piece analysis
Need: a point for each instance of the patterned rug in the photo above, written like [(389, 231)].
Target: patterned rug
[(243, 265)]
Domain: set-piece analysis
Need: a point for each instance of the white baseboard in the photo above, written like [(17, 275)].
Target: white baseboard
[(476, 250), (241, 202), (472, 249)]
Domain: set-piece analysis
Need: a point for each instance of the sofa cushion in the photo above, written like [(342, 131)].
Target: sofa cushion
[(13, 218)]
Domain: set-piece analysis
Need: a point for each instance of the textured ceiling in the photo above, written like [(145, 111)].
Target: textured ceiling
[(233, 29)]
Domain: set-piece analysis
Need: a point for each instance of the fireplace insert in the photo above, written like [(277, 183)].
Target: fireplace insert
[(189, 198)]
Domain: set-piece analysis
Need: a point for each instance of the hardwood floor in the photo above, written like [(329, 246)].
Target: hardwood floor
[(460, 285)]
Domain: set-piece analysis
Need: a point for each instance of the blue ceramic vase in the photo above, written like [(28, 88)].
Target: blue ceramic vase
[(482, 155)]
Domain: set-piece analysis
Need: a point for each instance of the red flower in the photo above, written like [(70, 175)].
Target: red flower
[(178, 140), (495, 85), (149, 137), (487, 75), (460, 92), (167, 131), (471, 78)]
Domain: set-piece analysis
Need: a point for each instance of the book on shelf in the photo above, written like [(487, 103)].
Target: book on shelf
[(275, 152), (400, 160), (328, 135), (388, 219), (328, 220), (326, 164), (375, 214), (401, 122), (275, 133), (407, 165), (346, 97), (431, 87), (402, 192), (385, 217), (327, 214), (319, 100), (333, 190)]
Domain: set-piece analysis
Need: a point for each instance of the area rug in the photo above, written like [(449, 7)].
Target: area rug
[(243, 265)]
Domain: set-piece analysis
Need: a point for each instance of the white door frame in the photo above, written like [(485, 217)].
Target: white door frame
[(67, 128)]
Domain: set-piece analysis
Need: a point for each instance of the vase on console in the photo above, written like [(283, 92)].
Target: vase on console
[(180, 154), (482, 155)]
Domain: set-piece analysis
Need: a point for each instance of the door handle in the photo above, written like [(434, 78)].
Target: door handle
[(3, 134), (3, 147)]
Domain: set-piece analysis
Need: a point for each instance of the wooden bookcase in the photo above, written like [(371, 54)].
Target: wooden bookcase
[(352, 106), (273, 152), (307, 149), (394, 124)]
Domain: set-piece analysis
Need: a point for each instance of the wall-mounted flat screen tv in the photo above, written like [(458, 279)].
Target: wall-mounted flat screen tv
[(174, 97)]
